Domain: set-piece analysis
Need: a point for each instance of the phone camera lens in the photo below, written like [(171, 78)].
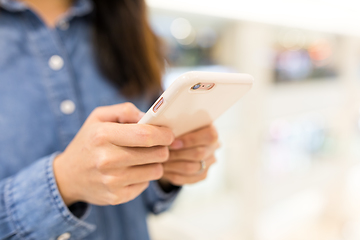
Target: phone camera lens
[(196, 86)]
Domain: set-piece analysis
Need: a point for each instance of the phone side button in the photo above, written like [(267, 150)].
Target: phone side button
[(158, 105)]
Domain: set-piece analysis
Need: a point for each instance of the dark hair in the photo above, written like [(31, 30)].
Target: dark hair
[(128, 51)]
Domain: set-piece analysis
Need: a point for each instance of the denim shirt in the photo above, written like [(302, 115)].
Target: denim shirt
[(49, 84)]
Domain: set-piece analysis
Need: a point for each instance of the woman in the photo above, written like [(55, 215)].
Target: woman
[(71, 169)]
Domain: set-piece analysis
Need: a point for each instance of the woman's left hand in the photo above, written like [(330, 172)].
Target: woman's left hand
[(191, 155)]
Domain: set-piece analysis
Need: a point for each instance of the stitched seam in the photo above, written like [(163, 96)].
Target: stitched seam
[(11, 210), (45, 73), (58, 202), (75, 90)]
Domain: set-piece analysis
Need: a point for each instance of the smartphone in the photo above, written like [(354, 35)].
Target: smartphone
[(196, 99)]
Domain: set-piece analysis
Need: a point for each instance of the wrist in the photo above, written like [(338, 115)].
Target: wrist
[(63, 181)]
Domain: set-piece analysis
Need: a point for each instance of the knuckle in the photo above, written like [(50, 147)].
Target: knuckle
[(200, 153), (191, 140), (190, 168), (158, 171), (170, 137), (114, 199), (103, 161), (134, 192), (108, 181), (130, 193), (145, 134), (177, 180), (97, 111), (128, 107), (127, 194), (100, 136), (163, 153), (213, 134), (146, 185)]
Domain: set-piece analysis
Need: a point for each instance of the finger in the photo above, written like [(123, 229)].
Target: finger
[(128, 193), (179, 179), (134, 175), (141, 156), (142, 173), (133, 135), (201, 137), (187, 168), (120, 113), (195, 153), (117, 157), (136, 189)]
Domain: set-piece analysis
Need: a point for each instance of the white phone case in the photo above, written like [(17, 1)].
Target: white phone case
[(183, 109)]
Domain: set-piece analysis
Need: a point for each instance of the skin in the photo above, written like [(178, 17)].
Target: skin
[(112, 163), (50, 11), (186, 154), (111, 159)]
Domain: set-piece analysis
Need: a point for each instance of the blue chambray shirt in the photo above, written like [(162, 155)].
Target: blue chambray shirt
[(49, 84)]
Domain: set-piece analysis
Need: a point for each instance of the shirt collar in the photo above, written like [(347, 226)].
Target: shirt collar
[(13, 6), (80, 7)]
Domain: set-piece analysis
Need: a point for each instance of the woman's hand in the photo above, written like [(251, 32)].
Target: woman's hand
[(191, 155), (109, 162)]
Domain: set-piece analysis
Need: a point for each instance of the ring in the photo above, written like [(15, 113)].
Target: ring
[(202, 165)]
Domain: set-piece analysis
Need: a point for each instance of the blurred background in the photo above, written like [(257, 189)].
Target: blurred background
[(289, 165)]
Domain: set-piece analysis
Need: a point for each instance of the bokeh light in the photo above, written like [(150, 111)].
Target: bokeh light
[(181, 28)]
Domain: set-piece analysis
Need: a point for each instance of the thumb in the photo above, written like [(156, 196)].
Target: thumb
[(121, 113)]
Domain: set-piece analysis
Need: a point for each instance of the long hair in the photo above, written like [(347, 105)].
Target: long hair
[(128, 52)]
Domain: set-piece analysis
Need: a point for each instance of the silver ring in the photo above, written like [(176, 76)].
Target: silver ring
[(202, 165)]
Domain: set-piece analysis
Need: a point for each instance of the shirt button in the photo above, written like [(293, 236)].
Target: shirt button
[(56, 62), (67, 107), (64, 236), (63, 25)]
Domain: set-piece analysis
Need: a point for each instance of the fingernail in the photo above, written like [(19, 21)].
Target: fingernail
[(177, 144)]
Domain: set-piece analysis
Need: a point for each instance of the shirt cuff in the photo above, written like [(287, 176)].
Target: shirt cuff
[(36, 206), (163, 200)]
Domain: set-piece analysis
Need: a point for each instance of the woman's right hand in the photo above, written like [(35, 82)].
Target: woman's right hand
[(110, 162)]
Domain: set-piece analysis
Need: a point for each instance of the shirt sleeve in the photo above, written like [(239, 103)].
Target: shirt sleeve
[(157, 199), (31, 206)]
